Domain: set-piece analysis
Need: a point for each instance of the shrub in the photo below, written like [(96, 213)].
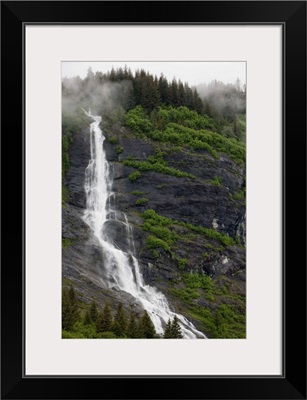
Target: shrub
[(158, 167), (182, 262), (141, 201), (119, 149), (161, 232), (241, 195), (65, 194), (134, 176), (216, 181), (107, 335), (112, 140), (186, 295), (152, 218), (156, 243), (66, 242), (155, 254), (72, 335), (181, 126), (137, 121), (137, 192)]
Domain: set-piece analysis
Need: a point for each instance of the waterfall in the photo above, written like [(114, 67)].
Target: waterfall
[(122, 268)]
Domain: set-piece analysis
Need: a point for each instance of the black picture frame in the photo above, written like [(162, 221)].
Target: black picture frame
[(292, 16)]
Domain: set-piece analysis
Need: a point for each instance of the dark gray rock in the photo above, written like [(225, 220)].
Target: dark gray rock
[(198, 202), (79, 154)]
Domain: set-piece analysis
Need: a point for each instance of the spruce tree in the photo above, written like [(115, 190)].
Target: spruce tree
[(176, 331), (87, 318), (132, 330), (70, 309), (197, 102), (168, 332), (173, 329), (93, 312), (181, 94), (147, 327), (105, 319), (163, 89), (173, 91), (120, 321)]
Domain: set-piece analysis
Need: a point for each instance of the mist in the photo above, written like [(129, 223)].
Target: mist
[(100, 95), (225, 99)]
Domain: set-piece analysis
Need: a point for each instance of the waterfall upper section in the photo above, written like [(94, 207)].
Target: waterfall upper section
[(122, 270)]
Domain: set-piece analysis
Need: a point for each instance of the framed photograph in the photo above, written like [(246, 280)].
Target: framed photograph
[(163, 152)]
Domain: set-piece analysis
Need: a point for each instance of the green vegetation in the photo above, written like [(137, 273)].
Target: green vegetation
[(112, 140), (119, 149), (146, 326), (156, 243), (137, 192), (241, 195), (225, 318), (186, 295), (224, 239), (134, 176), (181, 126), (188, 128), (65, 194), (141, 201), (154, 221), (66, 141), (70, 309), (157, 167), (72, 123), (66, 242), (106, 323), (91, 315), (164, 236), (161, 186), (216, 181), (75, 120), (182, 262), (198, 281), (105, 319), (173, 329)]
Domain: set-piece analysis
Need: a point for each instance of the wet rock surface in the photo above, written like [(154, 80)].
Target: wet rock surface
[(198, 202)]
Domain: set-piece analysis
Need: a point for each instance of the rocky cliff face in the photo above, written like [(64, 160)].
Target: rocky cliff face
[(82, 258), (215, 204)]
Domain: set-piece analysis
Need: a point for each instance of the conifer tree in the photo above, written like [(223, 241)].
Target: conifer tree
[(198, 104), (93, 312), (87, 318), (132, 329), (173, 329), (173, 93), (147, 328), (120, 321), (168, 332), (176, 331), (70, 309), (181, 94), (163, 89), (105, 319)]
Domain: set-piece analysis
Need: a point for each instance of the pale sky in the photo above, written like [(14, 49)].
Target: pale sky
[(192, 72)]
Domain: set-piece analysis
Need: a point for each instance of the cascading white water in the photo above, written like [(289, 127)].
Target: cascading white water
[(122, 268)]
